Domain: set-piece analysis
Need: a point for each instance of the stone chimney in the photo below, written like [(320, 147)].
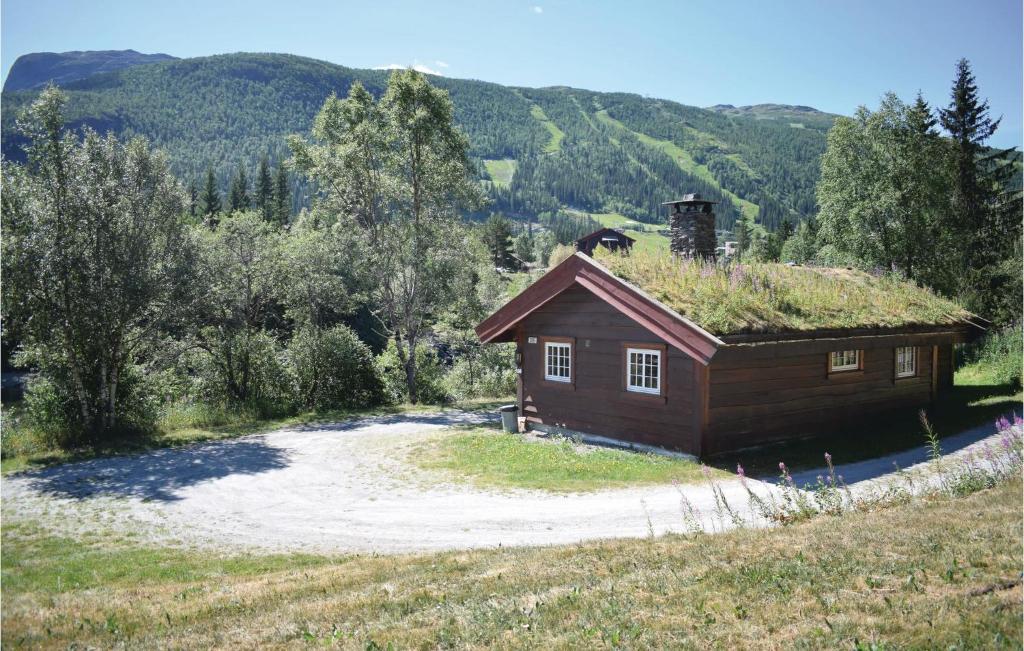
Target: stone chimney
[(692, 225)]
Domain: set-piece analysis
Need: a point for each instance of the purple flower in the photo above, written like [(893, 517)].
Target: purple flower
[(739, 470), (782, 466), (828, 458)]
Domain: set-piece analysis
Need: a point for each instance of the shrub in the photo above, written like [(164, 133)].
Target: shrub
[(429, 374), (1001, 353), (486, 373), (250, 371), (559, 254), (333, 368)]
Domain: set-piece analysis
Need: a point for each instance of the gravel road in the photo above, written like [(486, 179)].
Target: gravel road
[(341, 488)]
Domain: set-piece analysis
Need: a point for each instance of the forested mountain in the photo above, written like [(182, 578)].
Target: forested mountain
[(539, 149), (39, 68)]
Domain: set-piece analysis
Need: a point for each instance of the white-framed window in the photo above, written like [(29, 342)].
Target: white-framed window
[(557, 361), (643, 370), (843, 360), (906, 361)]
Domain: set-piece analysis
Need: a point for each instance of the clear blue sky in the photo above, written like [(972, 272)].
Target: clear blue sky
[(828, 54)]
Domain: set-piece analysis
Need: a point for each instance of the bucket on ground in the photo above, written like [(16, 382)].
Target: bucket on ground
[(508, 418)]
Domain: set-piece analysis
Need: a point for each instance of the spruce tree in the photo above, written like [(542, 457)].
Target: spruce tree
[(984, 217), (264, 190), (239, 198), (282, 209), (193, 197), (211, 198)]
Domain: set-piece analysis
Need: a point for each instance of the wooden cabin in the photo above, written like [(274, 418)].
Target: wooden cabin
[(627, 347), (608, 238)]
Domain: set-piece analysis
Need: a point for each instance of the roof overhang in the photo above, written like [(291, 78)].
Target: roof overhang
[(631, 301)]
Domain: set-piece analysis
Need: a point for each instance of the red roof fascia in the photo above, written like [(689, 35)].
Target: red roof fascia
[(630, 301)]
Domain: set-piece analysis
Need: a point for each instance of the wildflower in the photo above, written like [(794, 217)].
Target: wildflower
[(828, 458), (739, 471)]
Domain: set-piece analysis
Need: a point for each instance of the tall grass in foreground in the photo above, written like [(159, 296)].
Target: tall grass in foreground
[(982, 467)]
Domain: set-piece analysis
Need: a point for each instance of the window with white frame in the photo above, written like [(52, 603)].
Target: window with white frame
[(906, 361), (557, 361), (643, 370), (844, 360)]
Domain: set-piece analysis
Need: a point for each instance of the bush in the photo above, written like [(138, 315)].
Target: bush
[(486, 373), (1001, 352), (249, 371), (429, 375), (333, 368), (559, 254)]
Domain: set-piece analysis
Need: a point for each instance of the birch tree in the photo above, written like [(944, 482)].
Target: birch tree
[(96, 259)]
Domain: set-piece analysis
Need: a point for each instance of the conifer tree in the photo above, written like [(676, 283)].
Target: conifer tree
[(211, 198), (282, 209), (193, 197), (239, 198), (264, 190)]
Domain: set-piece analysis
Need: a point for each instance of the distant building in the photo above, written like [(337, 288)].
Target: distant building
[(609, 238)]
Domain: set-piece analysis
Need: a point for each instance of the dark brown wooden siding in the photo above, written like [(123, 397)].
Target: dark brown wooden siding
[(756, 400), (597, 402), (945, 378)]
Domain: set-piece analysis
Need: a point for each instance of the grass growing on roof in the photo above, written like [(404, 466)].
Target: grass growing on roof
[(489, 458), (772, 297)]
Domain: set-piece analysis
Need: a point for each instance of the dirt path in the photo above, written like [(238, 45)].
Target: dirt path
[(339, 488)]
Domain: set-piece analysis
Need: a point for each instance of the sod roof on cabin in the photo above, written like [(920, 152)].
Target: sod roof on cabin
[(777, 298)]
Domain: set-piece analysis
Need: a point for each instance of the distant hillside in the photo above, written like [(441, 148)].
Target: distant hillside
[(547, 148), (39, 68), (795, 116)]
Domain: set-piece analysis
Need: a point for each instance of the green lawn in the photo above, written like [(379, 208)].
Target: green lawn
[(942, 573), (684, 160), (488, 457), (25, 449), (555, 144), (501, 171)]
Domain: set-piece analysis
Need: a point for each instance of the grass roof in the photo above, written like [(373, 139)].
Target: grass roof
[(777, 298)]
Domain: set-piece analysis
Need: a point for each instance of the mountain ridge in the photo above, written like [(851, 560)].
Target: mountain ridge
[(36, 69), (603, 152)]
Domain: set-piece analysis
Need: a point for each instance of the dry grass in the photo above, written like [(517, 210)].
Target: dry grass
[(941, 574), (769, 297)]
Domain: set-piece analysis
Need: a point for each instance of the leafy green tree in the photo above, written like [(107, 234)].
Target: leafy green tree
[(241, 274), (524, 247), (211, 198), (802, 247), (97, 263), (333, 369), (239, 198), (496, 234), (264, 190), (282, 208), (544, 244), (882, 188), (398, 170)]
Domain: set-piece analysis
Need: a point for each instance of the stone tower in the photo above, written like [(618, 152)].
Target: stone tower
[(692, 224)]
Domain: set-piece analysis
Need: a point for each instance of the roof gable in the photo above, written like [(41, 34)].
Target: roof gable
[(602, 231), (627, 299)]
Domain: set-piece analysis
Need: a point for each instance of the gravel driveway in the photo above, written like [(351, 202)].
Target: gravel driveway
[(337, 488)]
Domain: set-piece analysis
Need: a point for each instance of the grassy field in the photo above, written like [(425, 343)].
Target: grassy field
[(940, 574), (24, 449), (490, 458), (684, 160), (501, 171), (555, 144)]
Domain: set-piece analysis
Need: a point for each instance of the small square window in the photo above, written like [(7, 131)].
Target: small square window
[(906, 361), (557, 362), (844, 360), (643, 373)]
